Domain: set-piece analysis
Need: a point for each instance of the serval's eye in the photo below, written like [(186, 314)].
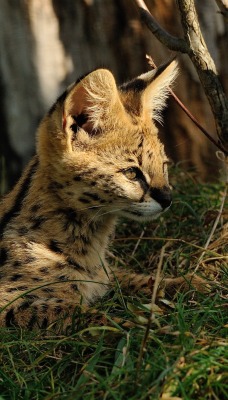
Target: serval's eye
[(133, 174), (130, 174)]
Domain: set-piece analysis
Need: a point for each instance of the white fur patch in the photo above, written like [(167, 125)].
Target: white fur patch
[(155, 95), (143, 211)]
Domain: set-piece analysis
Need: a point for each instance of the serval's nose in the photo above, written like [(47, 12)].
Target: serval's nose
[(162, 196)]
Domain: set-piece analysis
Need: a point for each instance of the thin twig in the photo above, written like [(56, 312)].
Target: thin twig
[(189, 114), (151, 316), (196, 122)]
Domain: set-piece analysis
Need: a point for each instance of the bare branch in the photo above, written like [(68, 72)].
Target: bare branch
[(195, 46), (173, 43), (205, 67)]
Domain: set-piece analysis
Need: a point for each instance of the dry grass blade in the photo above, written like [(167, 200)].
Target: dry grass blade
[(138, 242), (151, 316), (213, 229)]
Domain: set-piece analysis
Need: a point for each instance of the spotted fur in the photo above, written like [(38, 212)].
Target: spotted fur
[(98, 158)]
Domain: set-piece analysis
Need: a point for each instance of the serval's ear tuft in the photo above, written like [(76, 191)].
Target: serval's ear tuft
[(152, 88), (158, 81), (91, 101)]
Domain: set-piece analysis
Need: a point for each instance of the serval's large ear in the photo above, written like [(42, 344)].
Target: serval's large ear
[(153, 89), (157, 90), (91, 101)]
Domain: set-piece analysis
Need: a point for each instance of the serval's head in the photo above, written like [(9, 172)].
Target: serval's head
[(99, 145)]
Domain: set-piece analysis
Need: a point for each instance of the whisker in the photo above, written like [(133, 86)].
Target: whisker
[(100, 206), (92, 207), (105, 213)]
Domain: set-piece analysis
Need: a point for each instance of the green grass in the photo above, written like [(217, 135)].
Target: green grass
[(186, 353)]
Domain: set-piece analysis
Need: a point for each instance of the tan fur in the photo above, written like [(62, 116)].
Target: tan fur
[(56, 224)]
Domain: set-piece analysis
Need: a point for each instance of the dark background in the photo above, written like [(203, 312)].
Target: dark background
[(47, 44)]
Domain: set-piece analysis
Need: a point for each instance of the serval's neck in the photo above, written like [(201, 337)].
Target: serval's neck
[(80, 232)]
